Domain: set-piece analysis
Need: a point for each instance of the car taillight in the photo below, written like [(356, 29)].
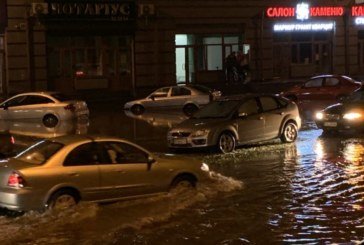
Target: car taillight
[(15, 180), (70, 107)]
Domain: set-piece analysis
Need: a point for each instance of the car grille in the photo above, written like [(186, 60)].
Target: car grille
[(180, 134), (332, 117)]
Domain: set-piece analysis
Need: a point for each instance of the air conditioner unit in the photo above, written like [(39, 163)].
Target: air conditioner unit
[(39, 8), (146, 10)]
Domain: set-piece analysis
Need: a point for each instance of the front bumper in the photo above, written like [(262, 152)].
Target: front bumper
[(188, 142), (340, 125)]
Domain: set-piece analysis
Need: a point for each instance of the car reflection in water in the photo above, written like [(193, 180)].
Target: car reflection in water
[(162, 119), (16, 135)]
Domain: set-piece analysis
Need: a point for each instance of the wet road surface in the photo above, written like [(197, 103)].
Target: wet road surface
[(311, 191)]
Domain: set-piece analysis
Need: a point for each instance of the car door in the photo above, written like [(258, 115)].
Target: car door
[(81, 169), (273, 114), (158, 98), (312, 89), (35, 106), (13, 108), (126, 172), (331, 88), (250, 121), (179, 96)]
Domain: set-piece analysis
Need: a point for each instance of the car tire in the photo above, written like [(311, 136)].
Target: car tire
[(189, 109), (184, 181), (50, 120), (137, 109), (63, 199), (226, 143), (289, 133), (292, 98)]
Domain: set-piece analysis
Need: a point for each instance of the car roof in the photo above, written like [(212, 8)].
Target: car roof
[(49, 93), (245, 96)]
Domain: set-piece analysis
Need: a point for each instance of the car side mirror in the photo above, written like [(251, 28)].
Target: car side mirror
[(5, 106), (150, 161), (152, 97)]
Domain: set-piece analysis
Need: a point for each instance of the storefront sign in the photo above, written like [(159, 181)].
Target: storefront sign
[(121, 11), (357, 11), (303, 11), (289, 27), (359, 20)]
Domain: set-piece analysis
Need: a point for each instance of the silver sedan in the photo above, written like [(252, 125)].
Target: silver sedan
[(189, 98), (50, 107), (58, 173)]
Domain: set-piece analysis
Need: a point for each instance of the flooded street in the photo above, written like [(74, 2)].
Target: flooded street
[(311, 191)]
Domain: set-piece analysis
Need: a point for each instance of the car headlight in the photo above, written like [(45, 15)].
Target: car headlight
[(200, 133), (319, 116), (205, 167), (352, 116)]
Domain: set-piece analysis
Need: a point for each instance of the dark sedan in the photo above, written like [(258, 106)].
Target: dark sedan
[(323, 87), (232, 121), (345, 116)]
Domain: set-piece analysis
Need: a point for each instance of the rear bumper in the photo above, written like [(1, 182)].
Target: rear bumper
[(20, 200)]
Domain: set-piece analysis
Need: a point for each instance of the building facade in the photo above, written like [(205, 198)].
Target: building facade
[(115, 45)]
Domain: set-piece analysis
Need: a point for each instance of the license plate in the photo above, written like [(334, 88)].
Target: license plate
[(180, 141), (330, 124)]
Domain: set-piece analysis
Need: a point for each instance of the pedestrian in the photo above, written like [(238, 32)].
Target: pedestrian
[(231, 68)]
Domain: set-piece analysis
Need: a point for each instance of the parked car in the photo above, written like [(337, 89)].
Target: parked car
[(50, 107), (187, 97), (232, 121), (323, 87), (59, 172), (345, 116)]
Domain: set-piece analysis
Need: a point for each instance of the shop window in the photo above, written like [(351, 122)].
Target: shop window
[(89, 56), (361, 48), (305, 52)]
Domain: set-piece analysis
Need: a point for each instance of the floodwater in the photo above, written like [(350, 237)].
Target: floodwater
[(311, 191)]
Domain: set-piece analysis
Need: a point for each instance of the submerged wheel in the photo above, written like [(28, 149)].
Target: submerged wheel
[(62, 200), (289, 133), (137, 109), (184, 181), (226, 143), (50, 120), (189, 109)]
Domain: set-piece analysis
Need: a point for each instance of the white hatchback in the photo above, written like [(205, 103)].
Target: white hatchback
[(50, 107)]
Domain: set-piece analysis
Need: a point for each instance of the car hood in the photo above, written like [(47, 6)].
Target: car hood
[(196, 124), (341, 107)]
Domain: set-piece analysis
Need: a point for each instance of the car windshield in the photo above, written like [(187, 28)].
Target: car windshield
[(217, 109), (40, 152), (60, 97)]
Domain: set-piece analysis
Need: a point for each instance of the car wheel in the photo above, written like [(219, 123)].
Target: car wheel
[(184, 181), (226, 143), (292, 97), (50, 120), (289, 133), (189, 109), (62, 200), (137, 109)]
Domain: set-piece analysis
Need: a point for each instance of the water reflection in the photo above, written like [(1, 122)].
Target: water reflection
[(16, 135), (160, 119)]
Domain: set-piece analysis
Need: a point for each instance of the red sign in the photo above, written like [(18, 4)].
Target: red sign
[(280, 12), (357, 11), (333, 11), (326, 11)]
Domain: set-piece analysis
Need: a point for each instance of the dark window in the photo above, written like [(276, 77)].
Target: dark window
[(331, 81), (60, 97), (119, 152), (314, 83), (180, 91), (86, 154), (16, 101), (269, 103), (34, 99), (162, 92), (249, 107), (40, 152)]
